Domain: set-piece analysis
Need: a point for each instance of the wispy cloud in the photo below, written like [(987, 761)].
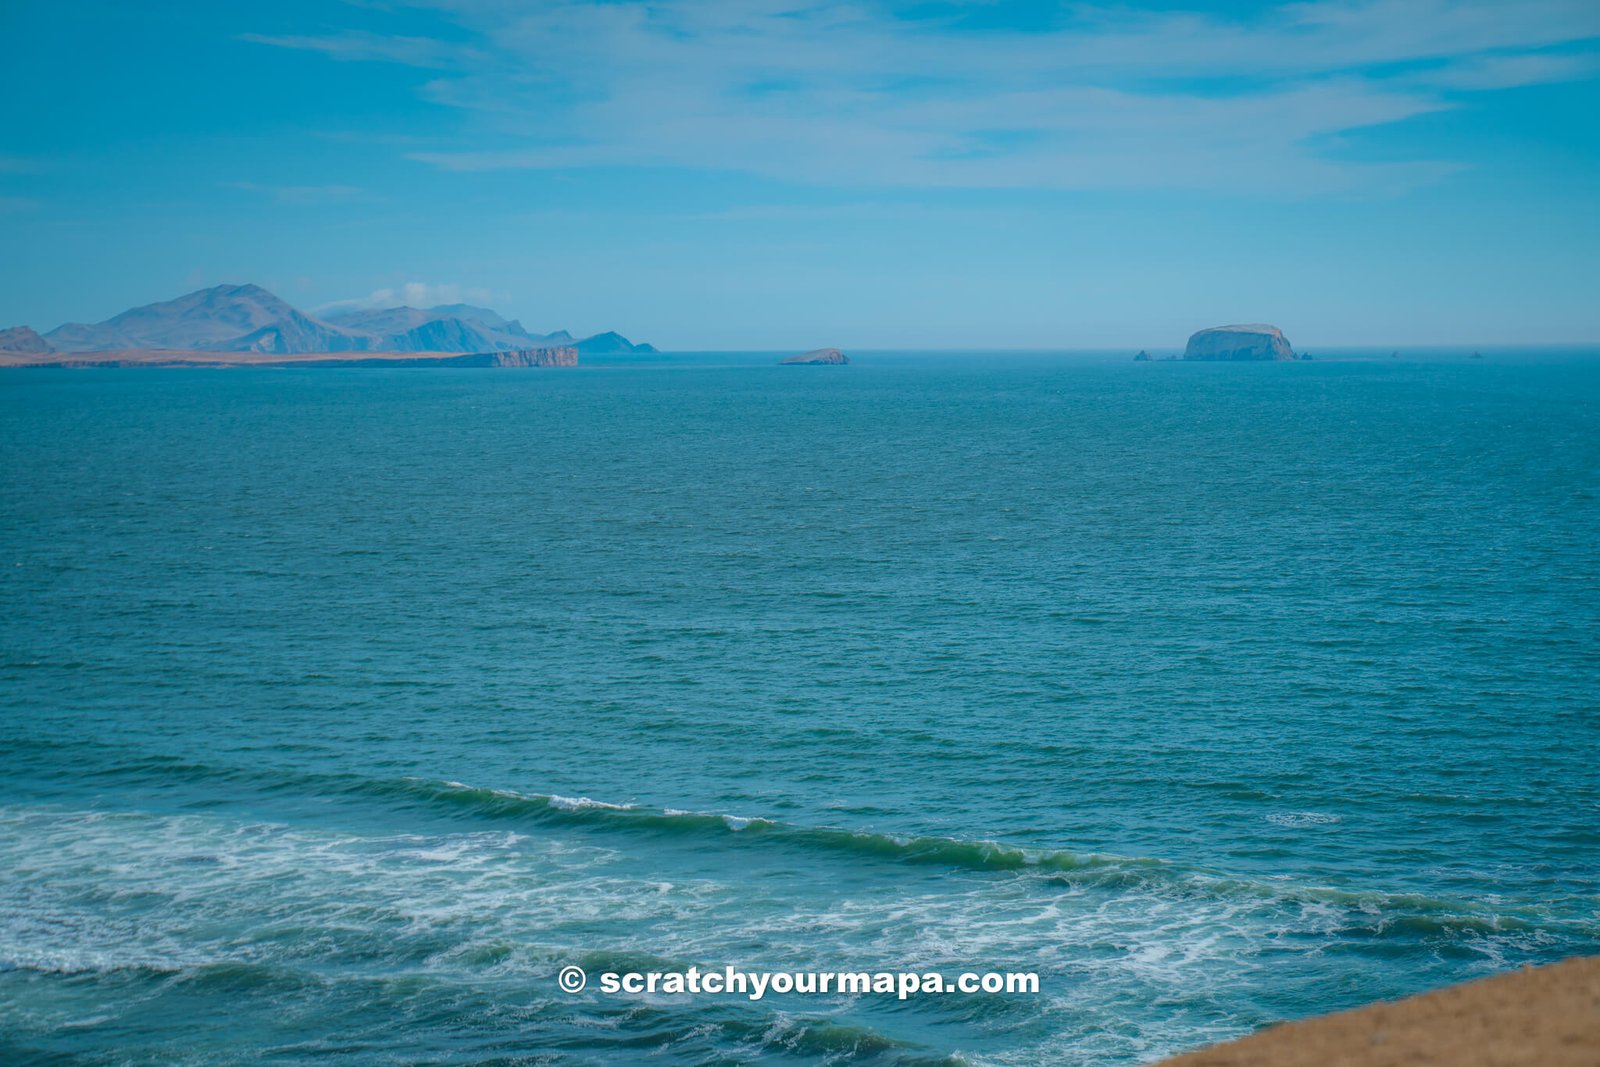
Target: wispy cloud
[(411, 294), (21, 165), (1479, 73), (359, 47), (847, 93), (301, 194)]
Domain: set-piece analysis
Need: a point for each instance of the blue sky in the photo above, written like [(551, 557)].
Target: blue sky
[(764, 174)]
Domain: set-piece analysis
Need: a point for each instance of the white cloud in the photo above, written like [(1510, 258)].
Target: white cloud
[(828, 92)]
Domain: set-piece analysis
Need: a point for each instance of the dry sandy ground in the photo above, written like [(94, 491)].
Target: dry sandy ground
[(1535, 1017), (187, 358)]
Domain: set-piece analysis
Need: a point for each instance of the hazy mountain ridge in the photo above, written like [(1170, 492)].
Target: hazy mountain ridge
[(447, 327), (24, 340), (248, 318), (207, 318)]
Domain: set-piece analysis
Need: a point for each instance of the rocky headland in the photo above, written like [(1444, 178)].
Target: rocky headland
[(561, 356)]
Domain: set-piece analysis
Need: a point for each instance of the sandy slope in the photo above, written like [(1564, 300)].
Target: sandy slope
[(1543, 1017), (150, 357)]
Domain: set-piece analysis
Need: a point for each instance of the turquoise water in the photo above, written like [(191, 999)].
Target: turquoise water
[(340, 709)]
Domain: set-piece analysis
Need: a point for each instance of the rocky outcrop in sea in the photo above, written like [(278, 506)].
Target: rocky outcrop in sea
[(1256, 341), (818, 357)]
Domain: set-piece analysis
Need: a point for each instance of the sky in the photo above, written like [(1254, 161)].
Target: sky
[(773, 174)]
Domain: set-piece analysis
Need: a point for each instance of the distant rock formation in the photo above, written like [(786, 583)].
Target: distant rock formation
[(1256, 341), (562, 356), (610, 343), (395, 320), (818, 357), (224, 318), (23, 339), (247, 318), (1142, 357)]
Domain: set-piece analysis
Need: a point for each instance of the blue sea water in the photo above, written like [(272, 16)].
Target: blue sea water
[(340, 709)]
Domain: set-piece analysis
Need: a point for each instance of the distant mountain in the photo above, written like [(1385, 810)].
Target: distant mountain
[(446, 328), (209, 319), (23, 339), (295, 332), (398, 320), (247, 318)]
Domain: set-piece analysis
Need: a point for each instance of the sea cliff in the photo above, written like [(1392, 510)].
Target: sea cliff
[(560, 356)]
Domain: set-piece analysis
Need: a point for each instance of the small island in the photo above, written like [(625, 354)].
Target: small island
[(818, 357), (1256, 341)]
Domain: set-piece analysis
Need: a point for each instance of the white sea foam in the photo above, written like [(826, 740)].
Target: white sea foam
[(1303, 818), (488, 907), (584, 803)]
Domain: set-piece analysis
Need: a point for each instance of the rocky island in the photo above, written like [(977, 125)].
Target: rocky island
[(1256, 341), (818, 357)]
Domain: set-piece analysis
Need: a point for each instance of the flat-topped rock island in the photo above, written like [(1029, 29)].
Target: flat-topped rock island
[(1254, 341), (818, 357)]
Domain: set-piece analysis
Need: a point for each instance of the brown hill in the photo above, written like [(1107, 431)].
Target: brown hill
[(23, 339)]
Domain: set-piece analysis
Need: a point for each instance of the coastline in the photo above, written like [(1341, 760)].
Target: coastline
[(153, 357), (1533, 1017)]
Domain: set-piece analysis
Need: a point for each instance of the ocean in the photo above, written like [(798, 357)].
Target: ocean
[(340, 709)]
